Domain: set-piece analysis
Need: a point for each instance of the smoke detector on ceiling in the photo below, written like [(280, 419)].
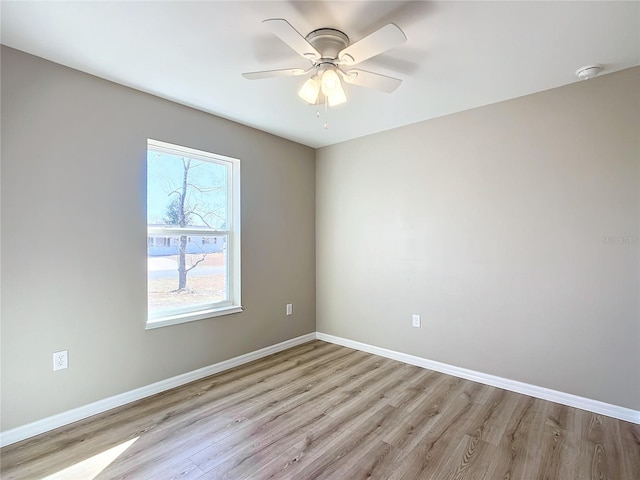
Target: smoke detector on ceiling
[(588, 71)]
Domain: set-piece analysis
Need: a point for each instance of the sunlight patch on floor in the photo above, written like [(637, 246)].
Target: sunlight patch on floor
[(91, 467)]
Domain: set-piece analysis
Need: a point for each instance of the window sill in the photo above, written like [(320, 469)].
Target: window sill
[(192, 316)]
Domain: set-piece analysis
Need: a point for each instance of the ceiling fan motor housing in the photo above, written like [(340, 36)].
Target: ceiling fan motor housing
[(328, 41)]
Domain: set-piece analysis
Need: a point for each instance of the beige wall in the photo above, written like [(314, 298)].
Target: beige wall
[(74, 239), (490, 224)]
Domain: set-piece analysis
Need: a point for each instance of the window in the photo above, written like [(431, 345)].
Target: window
[(193, 234)]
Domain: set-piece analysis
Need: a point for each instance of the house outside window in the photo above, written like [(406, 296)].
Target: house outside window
[(193, 234)]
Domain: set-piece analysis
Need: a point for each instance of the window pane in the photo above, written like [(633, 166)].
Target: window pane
[(186, 271), (193, 236), (186, 192)]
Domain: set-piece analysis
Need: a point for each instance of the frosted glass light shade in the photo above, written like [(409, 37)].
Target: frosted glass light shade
[(332, 88), (309, 90), (337, 97), (330, 82)]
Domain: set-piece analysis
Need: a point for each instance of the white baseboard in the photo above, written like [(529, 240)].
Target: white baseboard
[(595, 406), (36, 428), (41, 426)]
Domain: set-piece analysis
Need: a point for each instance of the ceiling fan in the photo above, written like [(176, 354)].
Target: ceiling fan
[(331, 54)]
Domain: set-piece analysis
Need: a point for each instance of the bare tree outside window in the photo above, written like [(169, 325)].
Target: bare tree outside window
[(183, 207)]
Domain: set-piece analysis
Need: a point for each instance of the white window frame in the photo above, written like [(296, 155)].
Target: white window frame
[(233, 304)]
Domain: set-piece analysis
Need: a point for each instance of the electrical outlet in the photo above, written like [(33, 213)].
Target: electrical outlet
[(415, 320), (60, 360), (289, 308)]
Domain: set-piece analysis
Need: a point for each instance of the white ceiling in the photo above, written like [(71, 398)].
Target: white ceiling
[(459, 55)]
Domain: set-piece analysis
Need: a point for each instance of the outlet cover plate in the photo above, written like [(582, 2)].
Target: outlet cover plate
[(415, 319), (60, 360)]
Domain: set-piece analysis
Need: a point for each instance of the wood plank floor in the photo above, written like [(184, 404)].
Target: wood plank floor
[(324, 411)]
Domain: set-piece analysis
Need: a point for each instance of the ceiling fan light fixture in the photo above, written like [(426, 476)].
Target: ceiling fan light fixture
[(326, 85), (309, 90)]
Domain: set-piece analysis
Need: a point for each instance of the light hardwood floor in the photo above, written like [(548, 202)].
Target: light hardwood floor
[(324, 411)]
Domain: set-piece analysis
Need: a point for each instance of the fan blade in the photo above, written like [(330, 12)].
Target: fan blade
[(381, 40), (287, 72), (376, 81), (290, 36)]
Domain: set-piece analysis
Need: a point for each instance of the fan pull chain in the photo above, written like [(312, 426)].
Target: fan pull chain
[(326, 113)]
